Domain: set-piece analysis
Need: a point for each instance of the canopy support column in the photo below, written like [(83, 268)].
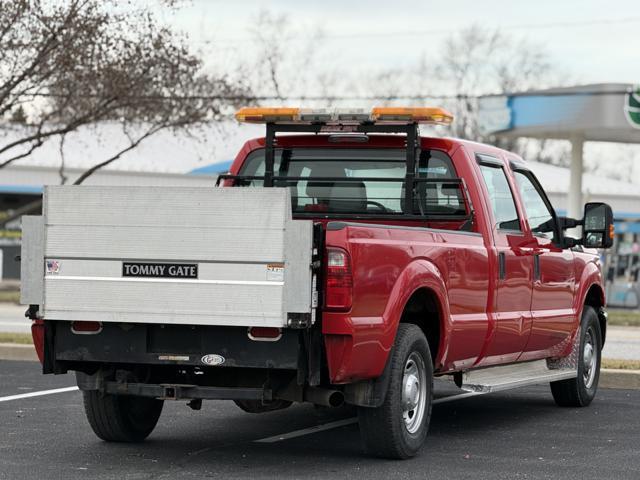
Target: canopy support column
[(575, 206)]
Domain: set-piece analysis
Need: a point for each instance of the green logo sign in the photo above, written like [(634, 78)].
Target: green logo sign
[(632, 106)]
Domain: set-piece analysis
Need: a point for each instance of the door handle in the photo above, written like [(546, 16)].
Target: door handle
[(536, 266), (530, 250)]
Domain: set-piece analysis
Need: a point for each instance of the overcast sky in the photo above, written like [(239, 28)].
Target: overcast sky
[(592, 41)]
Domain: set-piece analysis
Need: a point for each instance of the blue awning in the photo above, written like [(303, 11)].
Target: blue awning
[(22, 189), (213, 169)]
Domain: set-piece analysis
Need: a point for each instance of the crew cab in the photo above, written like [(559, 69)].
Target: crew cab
[(343, 259)]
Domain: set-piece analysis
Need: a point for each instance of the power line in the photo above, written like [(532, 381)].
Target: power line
[(334, 98), (415, 33)]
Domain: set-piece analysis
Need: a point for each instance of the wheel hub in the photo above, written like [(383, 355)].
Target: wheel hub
[(589, 359), (414, 392), (411, 392)]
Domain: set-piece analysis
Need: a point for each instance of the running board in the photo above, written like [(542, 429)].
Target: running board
[(505, 377)]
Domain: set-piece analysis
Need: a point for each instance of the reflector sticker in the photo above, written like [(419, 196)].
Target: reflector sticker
[(53, 266), (275, 272)]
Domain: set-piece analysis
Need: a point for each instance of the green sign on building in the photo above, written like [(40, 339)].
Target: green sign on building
[(632, 106)]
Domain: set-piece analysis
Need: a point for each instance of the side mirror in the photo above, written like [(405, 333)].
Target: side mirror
[(597, 225)]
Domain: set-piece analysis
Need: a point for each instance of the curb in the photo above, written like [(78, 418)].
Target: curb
[(15, 351), (609, 378)]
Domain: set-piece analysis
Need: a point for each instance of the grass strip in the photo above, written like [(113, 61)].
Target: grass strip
[(624, 318), (620, 364), (21, 338), (9, 296)]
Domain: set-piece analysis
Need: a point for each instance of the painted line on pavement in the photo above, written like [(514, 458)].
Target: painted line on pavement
[(347, 421), (307, 431), (37, 394), (457, 397)]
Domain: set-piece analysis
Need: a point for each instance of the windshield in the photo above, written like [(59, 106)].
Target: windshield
[(356, 180)]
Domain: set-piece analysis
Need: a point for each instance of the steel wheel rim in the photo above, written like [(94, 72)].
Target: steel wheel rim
[(414, 392), (589, 358)]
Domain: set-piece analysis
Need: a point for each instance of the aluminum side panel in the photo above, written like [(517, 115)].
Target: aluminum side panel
[(32, 261), (299, 236)]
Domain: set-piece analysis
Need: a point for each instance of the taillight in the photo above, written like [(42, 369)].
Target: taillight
[(339, 281), (86, 328)]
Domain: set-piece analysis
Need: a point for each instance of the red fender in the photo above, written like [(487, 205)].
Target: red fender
[(357, 349), (591, 275)]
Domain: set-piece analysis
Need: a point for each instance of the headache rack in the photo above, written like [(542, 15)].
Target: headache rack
[(410, 181)]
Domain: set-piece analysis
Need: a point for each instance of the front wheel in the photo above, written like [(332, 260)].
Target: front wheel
[(120, 418), (580, 391), (398, 428)]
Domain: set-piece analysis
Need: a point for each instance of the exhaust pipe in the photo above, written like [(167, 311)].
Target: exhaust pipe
[(322, 396)]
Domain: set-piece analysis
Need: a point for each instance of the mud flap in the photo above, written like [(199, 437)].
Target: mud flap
[(369, 393)]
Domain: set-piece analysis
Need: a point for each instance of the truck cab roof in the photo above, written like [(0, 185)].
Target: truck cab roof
[(342, 140)]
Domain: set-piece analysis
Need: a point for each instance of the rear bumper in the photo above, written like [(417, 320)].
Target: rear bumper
[(153, 344), (187, 392)]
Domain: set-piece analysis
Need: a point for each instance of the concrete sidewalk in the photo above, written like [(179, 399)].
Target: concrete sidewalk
[(622, 343), (12, 319)]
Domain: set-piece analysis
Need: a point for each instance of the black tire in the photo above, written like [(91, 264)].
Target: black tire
[(384, 431), (121, 418), (580, 391), (257, 406)]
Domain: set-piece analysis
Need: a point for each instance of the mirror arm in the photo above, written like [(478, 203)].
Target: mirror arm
[(569, 242), (566, 222)]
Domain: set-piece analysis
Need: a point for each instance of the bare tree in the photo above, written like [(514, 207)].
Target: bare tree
[(289, 59), (64, 65), (478, 61)]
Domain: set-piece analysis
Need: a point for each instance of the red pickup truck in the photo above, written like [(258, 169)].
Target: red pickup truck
[(417, 257)]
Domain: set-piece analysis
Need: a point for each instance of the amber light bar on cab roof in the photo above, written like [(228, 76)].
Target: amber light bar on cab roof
[(395, 115)]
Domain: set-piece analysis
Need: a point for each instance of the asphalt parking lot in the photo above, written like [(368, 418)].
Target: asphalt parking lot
[(518, 434)]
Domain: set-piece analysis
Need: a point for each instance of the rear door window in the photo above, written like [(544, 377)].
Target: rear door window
[(437, 196)]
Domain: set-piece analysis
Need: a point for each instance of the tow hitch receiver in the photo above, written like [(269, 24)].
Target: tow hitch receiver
[(187, 392)]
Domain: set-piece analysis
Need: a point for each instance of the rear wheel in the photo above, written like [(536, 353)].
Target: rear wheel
[(397, 429), (580, 391), (121, 418)]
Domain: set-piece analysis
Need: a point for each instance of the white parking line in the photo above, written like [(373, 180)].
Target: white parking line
[(457, 397), (307, 431), (37, 394), (347, 421)]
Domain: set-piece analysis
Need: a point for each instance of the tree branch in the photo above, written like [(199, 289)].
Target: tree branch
[(115, 157), (34, 146)]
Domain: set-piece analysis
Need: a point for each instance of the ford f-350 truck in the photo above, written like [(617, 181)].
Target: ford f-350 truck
[(344, 259)]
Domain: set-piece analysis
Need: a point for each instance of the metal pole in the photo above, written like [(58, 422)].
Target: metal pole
[(574, 204), (269, 153), (575, 183), (409, 181)]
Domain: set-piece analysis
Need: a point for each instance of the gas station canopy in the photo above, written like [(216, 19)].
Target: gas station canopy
[(608, 112)]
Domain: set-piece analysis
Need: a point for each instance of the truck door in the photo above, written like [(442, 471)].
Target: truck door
[(512, 301), (554, 273)]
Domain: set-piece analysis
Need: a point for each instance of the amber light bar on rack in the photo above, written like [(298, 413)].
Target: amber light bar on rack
[(345, 116)]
